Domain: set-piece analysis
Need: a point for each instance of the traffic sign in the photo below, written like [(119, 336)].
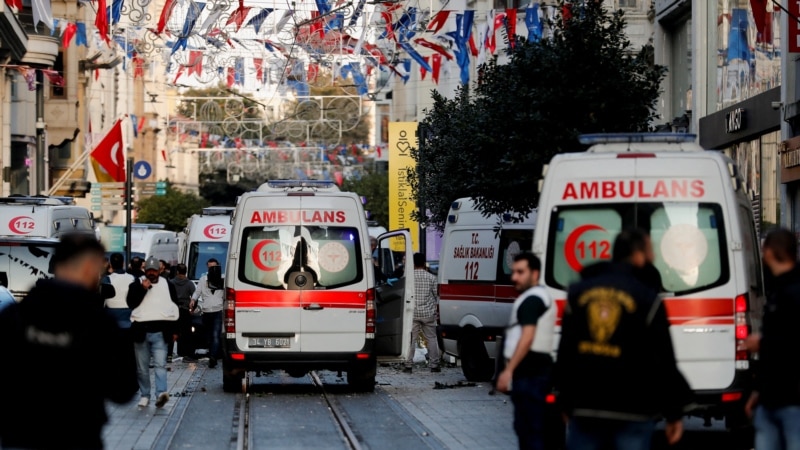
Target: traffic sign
[(142, 170), (108, 185)]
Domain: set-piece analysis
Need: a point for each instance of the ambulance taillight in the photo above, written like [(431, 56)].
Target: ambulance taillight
[(370, 314), (742, 330), (230, 313)]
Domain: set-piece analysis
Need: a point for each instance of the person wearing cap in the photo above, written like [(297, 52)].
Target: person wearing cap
[(154, 318)]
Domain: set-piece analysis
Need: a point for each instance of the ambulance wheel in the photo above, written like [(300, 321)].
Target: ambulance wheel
[(475, 362), (361, 377), (231, 381)]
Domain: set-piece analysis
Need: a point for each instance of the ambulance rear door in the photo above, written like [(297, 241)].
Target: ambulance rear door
[(395, 298)]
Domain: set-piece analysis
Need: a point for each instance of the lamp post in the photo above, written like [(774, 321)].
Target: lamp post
[(41, 147)]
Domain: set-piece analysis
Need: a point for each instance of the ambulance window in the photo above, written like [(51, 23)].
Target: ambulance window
[(24, 265), (332, 253), (579, 237), (512, 243), (201, 252), (689, 245)]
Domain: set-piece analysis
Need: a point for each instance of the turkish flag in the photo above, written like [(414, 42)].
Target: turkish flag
[(110, 153)]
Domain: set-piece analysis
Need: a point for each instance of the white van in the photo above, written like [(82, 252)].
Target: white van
[(475, 289), (30, 227), (693, 204), (207, 236), (154, 240), (300, 286)]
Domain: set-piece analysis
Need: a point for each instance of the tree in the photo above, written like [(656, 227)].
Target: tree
[(492, 144), (216, 189), (171, 209), (375, 187)]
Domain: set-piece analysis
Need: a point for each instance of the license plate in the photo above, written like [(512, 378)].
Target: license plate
[(270, 342)]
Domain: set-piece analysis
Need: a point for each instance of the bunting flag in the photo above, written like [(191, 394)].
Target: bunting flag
[(68, 34), (415, 55), (259, 18), (213, 17), (195, 9), (80, 34), (437, 67), (422, 71), (259, 64), (110, 155), (178, 74), (231, 78), (353, 69), (239, 70), (511, 26), (195, 62), (313, 71), (42, 12), (101, 21), (133, 125), (407, 69), (16, 4), (357, 13), (116, 11), (323, 7), (238, 16), (472, 47), (435, 47), (461, 36), (138, 66), (164, 17), (142, 121), (533, 23), (283, 21), (438, 21), (30, 78), (389, 32)]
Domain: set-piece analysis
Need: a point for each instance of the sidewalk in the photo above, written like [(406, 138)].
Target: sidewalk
[(459, 413), (132, 428)]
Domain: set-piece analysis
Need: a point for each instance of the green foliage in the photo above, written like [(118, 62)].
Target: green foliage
[(375, 187), (491, 144), (171, 209)]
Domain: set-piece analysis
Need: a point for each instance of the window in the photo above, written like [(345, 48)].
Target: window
[(628, 4), (512, 243), (58, 66), (332, 254), (22, 265), (201, 252), (688, 241)]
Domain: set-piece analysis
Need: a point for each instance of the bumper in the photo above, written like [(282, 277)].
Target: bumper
[(238, 360), (719, 403)]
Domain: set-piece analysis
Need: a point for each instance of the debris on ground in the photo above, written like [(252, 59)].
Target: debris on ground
[(460, 384)]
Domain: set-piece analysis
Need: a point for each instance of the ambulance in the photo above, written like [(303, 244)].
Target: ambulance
[(695, 206), (301, 289), (154, 240), (206, 236), (475, 289), (30, 227)]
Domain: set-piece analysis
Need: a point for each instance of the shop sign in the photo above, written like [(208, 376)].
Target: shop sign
[(790, 160), (734, 120)]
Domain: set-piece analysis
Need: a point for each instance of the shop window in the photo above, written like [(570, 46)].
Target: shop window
[(58, 66), (628, 4)]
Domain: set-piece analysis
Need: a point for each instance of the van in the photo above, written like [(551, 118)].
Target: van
[(30, 227), (694, 205), (475, 289), (206, 236), (154, 240), (301, 289)]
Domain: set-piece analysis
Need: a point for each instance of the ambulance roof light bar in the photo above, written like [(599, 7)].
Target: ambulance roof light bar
[(319, 184), (218, 211), (31, 200), (636, 138)]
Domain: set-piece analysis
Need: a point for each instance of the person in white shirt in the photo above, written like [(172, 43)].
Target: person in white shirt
[(209, 296)]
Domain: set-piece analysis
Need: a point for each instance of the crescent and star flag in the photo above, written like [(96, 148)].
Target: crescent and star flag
[(109, 156)]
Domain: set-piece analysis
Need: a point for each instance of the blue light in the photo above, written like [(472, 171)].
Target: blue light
[(352, 238), (629, 138)]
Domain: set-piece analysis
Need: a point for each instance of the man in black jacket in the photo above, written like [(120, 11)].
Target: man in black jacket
[(776, 400), (61, 326), (616, 372)]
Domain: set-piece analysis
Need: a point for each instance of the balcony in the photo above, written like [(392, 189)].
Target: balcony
[(42, 48), (12, 36)]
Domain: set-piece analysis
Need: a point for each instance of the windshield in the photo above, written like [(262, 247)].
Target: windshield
[(22, 264), (270, 254), (201, 252), (688, 242)]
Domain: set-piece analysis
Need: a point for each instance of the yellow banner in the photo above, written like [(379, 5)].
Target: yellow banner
[(402, 138)]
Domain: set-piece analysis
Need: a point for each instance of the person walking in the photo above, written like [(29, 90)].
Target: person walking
[(154, 317), (117, 305), (61, 325), (527, 345), (426, 308), (616, 373), (184, 289), (209, 297), (775, 403)]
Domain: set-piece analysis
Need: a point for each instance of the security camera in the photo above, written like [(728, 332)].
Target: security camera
[(777, 105)]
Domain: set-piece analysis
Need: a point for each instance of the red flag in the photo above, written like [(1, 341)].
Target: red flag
[(138, 66), (231, 77), (142, 121), (259, 63), (203, 140), (437, 66), (164, 155), (435, 47), (389, 31), (178, 75), (195, 62), (110, 153), (472, 48), (339, 177), (313, 71), (15, 4), (69, 33), (53, 76), (438, 21), (511, 26), (238, 15), (165, 13), (101, 21), (422, 70), (378, 151)]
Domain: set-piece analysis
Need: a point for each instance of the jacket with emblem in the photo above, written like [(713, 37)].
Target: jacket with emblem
[(62, 353), (615, 358)]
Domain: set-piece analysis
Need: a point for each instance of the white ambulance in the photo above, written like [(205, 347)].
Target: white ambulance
[(30, 227), (475, 289), (207, 236), (154, 240), (300, 286), (694, 205)]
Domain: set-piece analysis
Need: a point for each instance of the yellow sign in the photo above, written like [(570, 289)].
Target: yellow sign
[(402, 138)]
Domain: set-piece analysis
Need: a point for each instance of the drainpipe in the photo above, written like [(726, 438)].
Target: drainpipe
[(41, 145)]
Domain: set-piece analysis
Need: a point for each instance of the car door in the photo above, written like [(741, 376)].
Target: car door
[(395, 296)]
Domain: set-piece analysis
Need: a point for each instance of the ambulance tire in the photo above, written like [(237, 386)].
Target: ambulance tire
[(231, 381), (361, 376), (475, 362)]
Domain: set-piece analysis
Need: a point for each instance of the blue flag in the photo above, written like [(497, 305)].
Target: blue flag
[(191, 20), (259, 18), (533, 23)]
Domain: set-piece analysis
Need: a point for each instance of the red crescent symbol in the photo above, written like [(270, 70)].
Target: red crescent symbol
[(256, 255), (27, 222), (215, 231), (572, 241)]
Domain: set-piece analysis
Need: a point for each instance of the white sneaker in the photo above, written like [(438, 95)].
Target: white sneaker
[(162, 400), (143, 402)]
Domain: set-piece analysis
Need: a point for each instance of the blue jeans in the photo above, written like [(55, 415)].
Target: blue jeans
[(528, 395), (154, 345), (600, 434), (212, 322), (778, 428)]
